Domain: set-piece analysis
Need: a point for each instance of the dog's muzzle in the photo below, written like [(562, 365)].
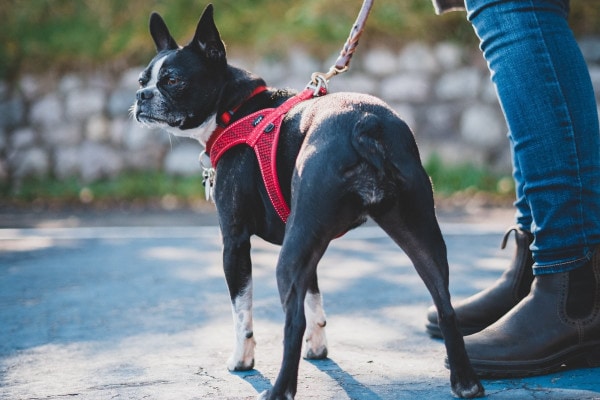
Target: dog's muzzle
[(144, 94)]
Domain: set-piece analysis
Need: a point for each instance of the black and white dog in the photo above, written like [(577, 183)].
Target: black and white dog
[(340, 158)]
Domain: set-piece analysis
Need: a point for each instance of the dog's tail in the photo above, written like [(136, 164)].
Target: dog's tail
[(387, 144)]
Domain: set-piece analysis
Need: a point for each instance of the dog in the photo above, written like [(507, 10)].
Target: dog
[(341, 158)]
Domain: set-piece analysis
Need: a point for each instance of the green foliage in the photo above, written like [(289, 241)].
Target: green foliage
[(128, 187), (64, 34), (152, 186), (465, 178)]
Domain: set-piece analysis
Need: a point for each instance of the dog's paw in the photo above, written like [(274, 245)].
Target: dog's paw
[(315, 342), (470, 390), (243, 365), (242, 358), (320, 353), (315, 339)]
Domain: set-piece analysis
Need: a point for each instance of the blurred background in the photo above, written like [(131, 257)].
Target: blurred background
[(69, 68)]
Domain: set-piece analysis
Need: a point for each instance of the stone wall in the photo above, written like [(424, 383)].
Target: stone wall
[(79, 124)]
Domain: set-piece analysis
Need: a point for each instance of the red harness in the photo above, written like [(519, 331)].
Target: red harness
[(259, 130)]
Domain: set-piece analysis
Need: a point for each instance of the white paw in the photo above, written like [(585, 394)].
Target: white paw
[(314, 352), (315, 343), (242, 358), (315, 340)]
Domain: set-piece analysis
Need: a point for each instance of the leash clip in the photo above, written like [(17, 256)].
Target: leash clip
[(319, 80), (208, 175), (318, 84)]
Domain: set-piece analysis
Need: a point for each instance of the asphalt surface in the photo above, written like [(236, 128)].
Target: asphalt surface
[(133, 305)]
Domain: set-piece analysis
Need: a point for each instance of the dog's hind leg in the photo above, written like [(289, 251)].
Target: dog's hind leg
[(315, 340), (238, 273), (411, 222), (302, 249)]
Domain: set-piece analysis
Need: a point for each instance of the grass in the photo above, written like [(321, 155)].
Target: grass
[(131, 187), (174, 191), (465, 178)]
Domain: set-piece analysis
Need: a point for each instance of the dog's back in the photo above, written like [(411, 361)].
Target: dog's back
[(357, 141)]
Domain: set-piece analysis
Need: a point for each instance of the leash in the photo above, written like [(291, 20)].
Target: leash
[(260, 130), (342, 64)]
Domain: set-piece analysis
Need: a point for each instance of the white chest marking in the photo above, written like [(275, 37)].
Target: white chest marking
[(201, 133)]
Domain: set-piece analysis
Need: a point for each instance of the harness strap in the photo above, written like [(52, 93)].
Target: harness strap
[(259, 130)]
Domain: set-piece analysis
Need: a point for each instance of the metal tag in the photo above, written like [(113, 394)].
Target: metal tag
[(208, 180), (208, 175)]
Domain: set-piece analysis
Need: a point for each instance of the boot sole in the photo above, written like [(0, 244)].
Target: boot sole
[(581, 356)]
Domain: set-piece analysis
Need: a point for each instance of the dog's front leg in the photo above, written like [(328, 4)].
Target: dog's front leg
[(238, 273)]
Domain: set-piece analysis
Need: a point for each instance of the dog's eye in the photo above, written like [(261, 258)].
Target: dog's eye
[(143, 81), (172, 80)]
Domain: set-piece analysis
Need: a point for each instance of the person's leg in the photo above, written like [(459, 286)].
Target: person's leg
[(546, 94), (523, 216)]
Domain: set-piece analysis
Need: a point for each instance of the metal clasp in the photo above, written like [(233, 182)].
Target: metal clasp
[(208, 175), (318, 84), (319, 80)]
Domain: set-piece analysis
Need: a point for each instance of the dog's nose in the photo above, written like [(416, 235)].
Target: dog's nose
[(144, 94)]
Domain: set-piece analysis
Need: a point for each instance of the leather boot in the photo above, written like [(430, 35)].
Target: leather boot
[(556, 326), (486, 307)]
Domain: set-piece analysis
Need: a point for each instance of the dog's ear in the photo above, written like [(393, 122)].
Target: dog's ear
[(207, 39), (160, 33)]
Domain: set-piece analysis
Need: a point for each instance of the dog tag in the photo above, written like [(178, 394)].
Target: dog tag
[(208, 175), (206, 188), (208, 180)]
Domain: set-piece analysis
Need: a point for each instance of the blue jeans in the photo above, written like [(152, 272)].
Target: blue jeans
[(548, 101)]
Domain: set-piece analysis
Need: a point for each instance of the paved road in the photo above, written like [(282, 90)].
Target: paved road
[(91, 312)]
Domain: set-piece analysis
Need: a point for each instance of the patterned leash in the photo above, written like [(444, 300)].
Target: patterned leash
[(319, 80)]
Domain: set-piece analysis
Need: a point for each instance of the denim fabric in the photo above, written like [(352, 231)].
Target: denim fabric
[(547, 97)]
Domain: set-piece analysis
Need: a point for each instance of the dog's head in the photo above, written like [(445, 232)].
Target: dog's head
[(180, 88)]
